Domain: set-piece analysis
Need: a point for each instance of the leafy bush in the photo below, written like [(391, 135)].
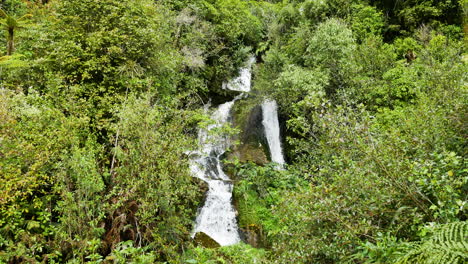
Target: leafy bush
[(239, 253), (39, 165), (366, 21), (257, 191), (126, 252), (153, 192), (330, 47)]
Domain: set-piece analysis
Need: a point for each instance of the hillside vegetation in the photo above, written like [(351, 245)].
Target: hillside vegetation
[(100, 100)]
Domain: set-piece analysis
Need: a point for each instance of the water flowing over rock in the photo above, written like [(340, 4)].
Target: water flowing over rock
[(243, 82), (272, 130), (217, 218)]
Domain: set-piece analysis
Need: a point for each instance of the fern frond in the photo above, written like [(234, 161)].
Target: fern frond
[(448, 245), (13, 61)]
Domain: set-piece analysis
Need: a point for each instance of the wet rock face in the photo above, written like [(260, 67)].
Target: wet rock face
[(253, 130), (250, 152), (204, 240), (221, 96), (253, 146)]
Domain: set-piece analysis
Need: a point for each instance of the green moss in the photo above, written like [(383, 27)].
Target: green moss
[(205, 240), (252, 145)]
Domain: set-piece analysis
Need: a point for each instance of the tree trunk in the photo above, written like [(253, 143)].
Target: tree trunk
[(10, 41)]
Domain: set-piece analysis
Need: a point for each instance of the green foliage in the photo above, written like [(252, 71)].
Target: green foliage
[(236, 31), (362, 183), (442, 179), (258, 190), (447, 245), (383, 250), (11, 25), (330, 47), (406, 16), (239, 253), (37, 142), (314, 10), (400, 86), (406, 45), (154, 173), (10, 62), (369, 174), (98, 107), (80, 207), (16, 7), (101, 52), (374, 58), (439, 244), (233, 21), (298, 88), (331, 43), (366, 21), (126, 252)]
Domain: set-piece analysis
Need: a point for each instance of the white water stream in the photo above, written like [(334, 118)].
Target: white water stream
[(272, 130), (217, 217)]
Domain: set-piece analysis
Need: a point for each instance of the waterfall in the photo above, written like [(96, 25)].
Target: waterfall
[(272, 131), (217, 217)]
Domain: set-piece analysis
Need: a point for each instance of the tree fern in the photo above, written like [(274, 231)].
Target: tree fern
[(11, 25), (448, 245)]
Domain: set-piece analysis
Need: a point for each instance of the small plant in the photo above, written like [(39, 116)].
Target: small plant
[(126, 252)]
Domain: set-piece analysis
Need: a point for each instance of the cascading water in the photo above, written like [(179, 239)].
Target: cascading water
[(242, 82), (272, 130), (217, 218)]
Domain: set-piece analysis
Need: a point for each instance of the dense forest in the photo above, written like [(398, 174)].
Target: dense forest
[(102, 100)]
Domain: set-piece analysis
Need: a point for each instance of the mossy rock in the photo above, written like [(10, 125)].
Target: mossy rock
[(204, 240), (249, 152), (253, 145)]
